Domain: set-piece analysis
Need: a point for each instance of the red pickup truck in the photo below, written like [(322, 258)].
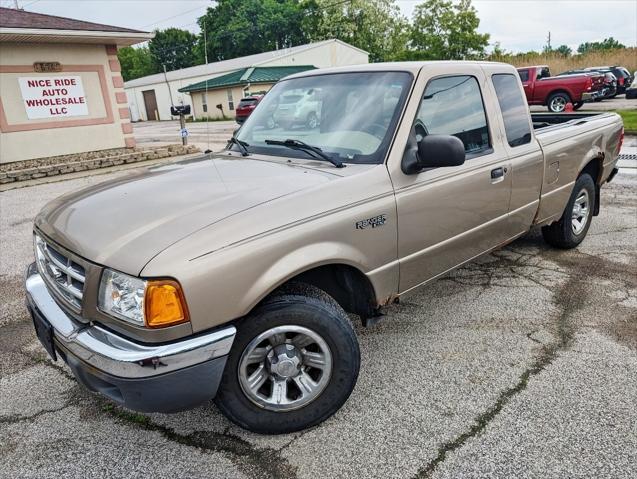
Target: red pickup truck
[(555, 92)]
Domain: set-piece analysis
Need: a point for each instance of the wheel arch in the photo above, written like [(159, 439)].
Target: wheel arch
[(594, 167), (347, 284)]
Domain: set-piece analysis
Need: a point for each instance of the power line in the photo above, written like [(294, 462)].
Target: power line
[(173, 16)]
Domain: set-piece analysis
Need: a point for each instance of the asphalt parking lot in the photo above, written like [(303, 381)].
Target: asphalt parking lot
[(618, 103), (522, 364)]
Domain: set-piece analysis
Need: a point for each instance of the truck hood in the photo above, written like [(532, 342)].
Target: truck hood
[(125, 222)]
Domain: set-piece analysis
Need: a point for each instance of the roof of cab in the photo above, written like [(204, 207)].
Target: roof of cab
[(412, 67)]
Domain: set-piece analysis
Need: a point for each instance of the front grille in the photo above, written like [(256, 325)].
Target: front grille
[(60, 272)]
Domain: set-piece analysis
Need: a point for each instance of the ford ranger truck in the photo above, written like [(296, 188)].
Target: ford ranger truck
[(555, 92), (237, 275)]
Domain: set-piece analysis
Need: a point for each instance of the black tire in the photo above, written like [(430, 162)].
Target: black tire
[(578, 105), (302, 305), (559, 97), (561, 233)]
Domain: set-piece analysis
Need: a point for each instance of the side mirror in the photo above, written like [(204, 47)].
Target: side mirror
[(436, 151)]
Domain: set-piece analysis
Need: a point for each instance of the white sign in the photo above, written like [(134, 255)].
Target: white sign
[(51, 97), (183, 132)]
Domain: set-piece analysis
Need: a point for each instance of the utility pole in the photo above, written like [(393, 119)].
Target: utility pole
[(548, 42), (170, 93)]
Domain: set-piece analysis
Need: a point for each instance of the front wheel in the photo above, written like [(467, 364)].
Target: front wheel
[(572, 227), (294, 363), (557, 102)]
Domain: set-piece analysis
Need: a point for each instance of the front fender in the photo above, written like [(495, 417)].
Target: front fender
[(296, 262)]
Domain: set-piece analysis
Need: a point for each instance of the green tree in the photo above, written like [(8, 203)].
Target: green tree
[(135, 62), (564, 50), (174, 48), (606, 44), (237, 28), (375, 26), (442, 30)]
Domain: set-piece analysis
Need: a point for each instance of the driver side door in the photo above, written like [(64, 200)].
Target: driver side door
[(449, 215)]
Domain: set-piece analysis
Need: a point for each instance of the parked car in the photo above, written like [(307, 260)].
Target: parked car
[(624, 78), (609, 88), (238, 286), (555, 92), (631, 91), (299, 108), (246, 106)]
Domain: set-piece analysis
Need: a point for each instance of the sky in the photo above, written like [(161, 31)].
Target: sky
[(519, 25)]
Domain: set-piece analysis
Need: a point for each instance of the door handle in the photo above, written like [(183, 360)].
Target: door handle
[(497, 174)]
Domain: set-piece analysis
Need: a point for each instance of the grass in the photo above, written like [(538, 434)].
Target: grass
[(626, 57), (630, 120)]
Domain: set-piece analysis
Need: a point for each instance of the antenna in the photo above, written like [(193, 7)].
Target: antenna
[(205, 49)]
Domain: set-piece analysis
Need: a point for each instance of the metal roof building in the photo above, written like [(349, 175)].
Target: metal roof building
[(150, 97)]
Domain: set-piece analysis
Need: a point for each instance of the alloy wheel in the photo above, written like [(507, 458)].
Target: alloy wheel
[(285, 368)]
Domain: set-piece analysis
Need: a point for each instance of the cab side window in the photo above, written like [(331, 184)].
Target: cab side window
[(524, 75), (453, 106), (514, 110)]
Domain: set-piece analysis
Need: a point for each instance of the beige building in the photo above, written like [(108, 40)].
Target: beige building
[(61, 89), (217, 98), (150, 97)]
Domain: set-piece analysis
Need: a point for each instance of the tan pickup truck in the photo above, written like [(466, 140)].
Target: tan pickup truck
[(232, 275)]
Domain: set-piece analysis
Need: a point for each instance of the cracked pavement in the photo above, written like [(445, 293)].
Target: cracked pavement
[(521, 364)]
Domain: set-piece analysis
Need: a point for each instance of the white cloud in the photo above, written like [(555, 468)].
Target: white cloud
[(522, 25)]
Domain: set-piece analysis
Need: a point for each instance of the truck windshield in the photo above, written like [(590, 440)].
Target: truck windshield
[(348, 115)]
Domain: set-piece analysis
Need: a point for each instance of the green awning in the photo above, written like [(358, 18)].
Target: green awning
[(247, 75)]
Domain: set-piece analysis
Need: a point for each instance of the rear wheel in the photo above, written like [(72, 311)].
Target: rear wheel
[(294, 363), (572, 227), (557, 102)]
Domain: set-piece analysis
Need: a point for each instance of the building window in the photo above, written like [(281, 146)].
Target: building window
[(204, 102), (230, 100)]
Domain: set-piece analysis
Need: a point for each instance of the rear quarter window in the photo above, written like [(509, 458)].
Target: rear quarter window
[(524, 75), (514, 110)]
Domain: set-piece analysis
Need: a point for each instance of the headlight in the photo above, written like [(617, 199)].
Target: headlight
[(122, 296), (152, 303)]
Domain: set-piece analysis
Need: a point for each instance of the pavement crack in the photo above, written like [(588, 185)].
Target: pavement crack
[(17, 418), (252, 461), (568, 299), (530, 336)]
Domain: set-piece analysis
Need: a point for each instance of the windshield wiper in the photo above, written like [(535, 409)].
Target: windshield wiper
[(241, 144), (314, 151)]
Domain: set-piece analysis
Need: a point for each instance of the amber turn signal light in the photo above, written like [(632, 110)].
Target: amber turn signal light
[(165, 304)]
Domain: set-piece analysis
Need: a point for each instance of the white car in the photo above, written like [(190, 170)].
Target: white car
[(299, 108)]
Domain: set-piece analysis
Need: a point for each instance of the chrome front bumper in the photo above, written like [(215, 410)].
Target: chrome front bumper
[(110, 364)]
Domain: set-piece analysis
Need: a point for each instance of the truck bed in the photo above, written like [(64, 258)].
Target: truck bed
[(543, 121)]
